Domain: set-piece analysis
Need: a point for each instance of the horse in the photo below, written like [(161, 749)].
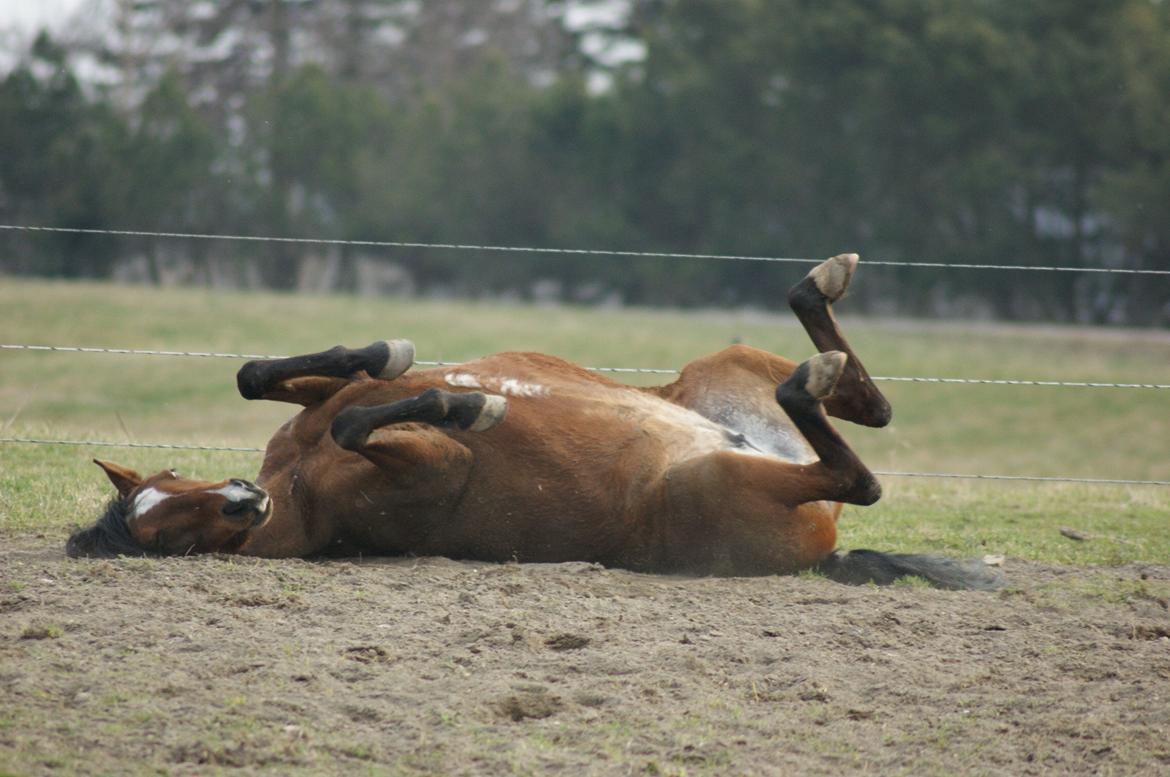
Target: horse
[(732, 469)]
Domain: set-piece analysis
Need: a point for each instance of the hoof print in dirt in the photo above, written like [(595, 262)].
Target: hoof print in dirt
[(530, 704), (567, 642), (366, 654)]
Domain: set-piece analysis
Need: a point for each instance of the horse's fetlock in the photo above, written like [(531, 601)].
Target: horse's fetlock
[(464, 409), (793, 393), (805, 296), (374, 357), (437, 398)]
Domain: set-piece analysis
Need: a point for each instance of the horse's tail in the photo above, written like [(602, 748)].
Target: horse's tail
[(858, 567)]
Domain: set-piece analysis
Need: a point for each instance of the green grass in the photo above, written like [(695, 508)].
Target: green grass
[(1006, 430)]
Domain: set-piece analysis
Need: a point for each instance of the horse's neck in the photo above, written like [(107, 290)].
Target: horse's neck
[(287, 533)]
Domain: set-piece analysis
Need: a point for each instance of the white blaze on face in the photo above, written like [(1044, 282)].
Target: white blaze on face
[(147, 499), (234, 493)]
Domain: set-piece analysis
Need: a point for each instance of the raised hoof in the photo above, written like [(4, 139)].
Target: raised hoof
[(824, 370), (832, 276), (401, 359), (494, 409)]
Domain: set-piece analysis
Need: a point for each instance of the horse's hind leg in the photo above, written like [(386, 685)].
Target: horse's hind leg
[(856, 399), (839, 475), (740, 378), (765, 514), (270, 378)]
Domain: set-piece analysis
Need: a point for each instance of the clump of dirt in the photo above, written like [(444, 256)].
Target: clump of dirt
[(40, 631), (532, 703), (567, 642), (431, 666), (367, 654)]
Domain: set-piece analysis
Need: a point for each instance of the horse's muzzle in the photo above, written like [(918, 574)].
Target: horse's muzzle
[(254, 508)]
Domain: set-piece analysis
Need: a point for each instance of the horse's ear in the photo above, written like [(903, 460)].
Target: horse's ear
[(125, 480)]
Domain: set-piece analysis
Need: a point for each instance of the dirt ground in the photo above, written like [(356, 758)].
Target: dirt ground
[(431, 666)]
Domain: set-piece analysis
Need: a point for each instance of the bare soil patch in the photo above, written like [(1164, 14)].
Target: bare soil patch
[(431, 666)]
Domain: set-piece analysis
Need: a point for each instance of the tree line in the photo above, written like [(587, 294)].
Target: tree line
[(923, 130)]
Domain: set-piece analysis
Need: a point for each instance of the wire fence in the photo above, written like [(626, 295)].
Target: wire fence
[(629, 370), (568, 251), (617, 370)]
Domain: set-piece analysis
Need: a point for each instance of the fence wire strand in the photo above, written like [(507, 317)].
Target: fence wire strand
[(566, 251), (614, 370), (110, 444), (627, 370)]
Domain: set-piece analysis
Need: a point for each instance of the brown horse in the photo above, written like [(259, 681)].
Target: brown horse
[(732, 469)]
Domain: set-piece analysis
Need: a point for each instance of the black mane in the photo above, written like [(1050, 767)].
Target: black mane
[(110, 536)]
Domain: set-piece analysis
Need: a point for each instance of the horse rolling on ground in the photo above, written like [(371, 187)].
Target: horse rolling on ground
[(733, 469)]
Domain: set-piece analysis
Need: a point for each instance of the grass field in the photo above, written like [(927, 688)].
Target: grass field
[(426, 667), (972, 429)]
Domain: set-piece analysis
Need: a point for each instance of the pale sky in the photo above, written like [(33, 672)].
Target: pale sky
[(28, 15)]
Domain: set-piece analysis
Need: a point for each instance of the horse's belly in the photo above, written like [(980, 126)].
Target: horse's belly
[(733, 426)]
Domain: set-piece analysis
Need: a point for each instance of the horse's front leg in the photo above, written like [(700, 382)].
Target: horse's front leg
[(369, 431), (421, 470), (839, 475), (314, 377), (470, 411)]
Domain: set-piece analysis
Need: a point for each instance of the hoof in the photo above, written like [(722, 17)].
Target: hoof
[(494, 409), (832, 276), (824, 370), (401, 359)]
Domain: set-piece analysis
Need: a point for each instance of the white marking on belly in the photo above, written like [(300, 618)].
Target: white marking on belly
[(685, 433), (516, 388), (688, 433), (146, 500), (773, 439), (509, 386), (462, 379)]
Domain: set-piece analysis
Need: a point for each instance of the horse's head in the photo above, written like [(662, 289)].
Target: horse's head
[(166, 514)]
